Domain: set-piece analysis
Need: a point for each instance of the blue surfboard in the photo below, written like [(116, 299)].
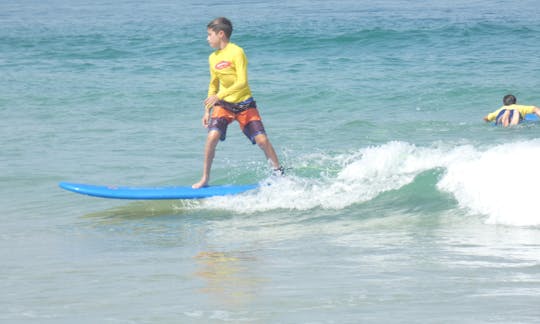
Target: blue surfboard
[(153, 193)]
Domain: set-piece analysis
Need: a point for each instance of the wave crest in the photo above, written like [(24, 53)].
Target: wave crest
[(497, 182)]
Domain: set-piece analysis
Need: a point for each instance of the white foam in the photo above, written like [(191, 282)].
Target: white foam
[(362, 176), (500, 182), (496, 182)]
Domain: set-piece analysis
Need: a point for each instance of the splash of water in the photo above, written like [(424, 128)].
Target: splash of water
[(497, 182)]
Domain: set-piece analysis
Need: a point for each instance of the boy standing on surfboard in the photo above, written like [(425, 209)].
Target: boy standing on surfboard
[(229, 98), (511, 113)]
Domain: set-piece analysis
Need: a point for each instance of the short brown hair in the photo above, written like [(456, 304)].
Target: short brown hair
[(221, 24), (509, 100)]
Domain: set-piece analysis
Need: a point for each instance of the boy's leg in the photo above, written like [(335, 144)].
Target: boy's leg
[(209, 153), (505, 119), (251, 125), (264, 143), (514, 117)]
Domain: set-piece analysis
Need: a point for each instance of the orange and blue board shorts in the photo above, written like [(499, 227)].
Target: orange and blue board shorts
[(245, 113)]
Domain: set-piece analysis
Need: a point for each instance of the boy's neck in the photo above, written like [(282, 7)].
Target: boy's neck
[(223, 44)]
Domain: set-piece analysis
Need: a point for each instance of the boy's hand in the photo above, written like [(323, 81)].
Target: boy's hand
[(208, 104), (210, 101), (206, 118)]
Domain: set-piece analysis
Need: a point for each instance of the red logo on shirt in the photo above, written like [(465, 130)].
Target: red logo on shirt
[(223, 65)]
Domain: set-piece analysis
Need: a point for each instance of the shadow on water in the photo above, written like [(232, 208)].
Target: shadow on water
[(141, 210)]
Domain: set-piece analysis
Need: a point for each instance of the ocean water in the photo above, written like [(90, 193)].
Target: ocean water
[(400, 205)]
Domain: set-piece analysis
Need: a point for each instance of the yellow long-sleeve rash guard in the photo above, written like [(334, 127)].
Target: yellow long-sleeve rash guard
[(228, 74), (523, 110)]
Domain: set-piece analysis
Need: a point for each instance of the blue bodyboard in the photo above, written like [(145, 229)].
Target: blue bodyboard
[(531, 117), (153, 193)]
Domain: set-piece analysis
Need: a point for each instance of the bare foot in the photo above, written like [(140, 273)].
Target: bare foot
[(200, 184)]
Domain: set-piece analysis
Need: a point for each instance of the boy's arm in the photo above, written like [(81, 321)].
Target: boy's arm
[(537, 111), (490, 117), (213, 86)]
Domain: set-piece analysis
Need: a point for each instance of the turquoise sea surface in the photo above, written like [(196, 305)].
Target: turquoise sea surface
[(400, 205)]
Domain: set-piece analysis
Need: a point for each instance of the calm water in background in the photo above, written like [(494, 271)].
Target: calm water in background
[(400, 204)]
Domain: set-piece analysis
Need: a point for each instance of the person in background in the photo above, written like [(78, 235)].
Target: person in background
[(511, 113)]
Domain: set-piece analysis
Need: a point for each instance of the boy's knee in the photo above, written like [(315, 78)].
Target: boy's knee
[(214, 135), (261, 140)]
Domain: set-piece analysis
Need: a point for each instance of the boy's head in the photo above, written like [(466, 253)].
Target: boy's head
[(221, 24), (509, 100)]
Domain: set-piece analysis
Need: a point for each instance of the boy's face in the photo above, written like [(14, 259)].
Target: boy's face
[(213, 38)]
